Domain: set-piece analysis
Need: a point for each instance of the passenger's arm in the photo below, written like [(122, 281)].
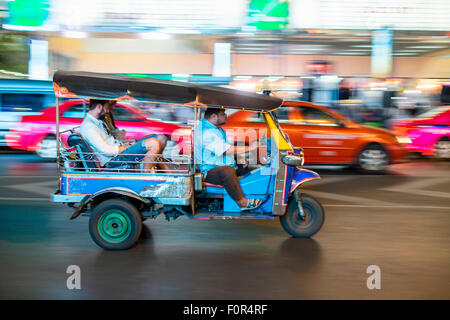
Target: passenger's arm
[(99, 143)]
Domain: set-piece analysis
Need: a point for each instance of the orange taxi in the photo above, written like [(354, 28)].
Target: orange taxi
[(326, 136)]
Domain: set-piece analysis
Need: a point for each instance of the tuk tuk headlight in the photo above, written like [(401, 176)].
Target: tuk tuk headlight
[(293, 160)]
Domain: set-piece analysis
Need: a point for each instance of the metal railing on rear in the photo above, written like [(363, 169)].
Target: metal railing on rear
[(76, 159), (72, 160)]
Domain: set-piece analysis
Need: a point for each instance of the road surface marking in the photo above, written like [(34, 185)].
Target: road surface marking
[(416, 187), (394, 206), (341, 197), (40, 188), (24, 199), (55, 177)]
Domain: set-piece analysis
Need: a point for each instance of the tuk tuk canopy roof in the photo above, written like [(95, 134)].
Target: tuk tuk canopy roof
[(116, 87)]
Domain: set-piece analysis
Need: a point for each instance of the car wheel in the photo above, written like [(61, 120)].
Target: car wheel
[(373, 159), (442, 149), (47, 147), (115, 224)]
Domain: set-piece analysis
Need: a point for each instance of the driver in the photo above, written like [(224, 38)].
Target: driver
[(215, 156), (111, 152)]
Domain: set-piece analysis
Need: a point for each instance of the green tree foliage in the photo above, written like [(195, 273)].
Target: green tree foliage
[(14, 53)]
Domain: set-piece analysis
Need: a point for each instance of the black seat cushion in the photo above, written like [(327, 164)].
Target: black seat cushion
[(86, 154)]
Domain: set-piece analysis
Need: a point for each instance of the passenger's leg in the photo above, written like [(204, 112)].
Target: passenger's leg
[(152, 146), (162, 141)]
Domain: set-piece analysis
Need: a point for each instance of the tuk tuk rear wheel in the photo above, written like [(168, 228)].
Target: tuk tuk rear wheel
[(307, 225), (115, 224)]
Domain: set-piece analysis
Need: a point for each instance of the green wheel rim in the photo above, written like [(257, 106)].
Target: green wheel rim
[(114, 226)]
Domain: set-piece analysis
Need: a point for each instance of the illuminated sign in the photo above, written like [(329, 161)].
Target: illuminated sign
[(27, 12), (222, 60), (381, 53), (370, 14), (138, 14), (38, 64), (268, 14), (319, 67)]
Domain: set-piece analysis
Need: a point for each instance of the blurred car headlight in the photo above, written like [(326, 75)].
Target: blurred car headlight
[(403, 140)]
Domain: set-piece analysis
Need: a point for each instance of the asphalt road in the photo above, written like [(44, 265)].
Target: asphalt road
[(398, 221)]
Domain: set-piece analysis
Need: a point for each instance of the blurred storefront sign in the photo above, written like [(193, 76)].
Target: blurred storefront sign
[(38, 64), (268, 14), (381, 53), (209, 16), (31, 13), (138, 14), (370, 14), (319, 67), (222, 60)]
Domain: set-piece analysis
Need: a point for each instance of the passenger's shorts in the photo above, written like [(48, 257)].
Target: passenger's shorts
[(133, 153)]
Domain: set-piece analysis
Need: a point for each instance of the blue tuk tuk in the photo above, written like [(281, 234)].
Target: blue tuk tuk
[(118, 200)]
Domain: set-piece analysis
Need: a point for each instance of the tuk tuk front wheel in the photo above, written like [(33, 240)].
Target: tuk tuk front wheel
[(115, 225), (303, 225)]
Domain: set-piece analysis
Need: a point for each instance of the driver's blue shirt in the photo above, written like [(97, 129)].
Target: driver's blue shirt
[(211, 146)]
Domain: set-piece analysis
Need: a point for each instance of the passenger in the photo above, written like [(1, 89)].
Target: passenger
[(112, 129), (108, 120), (111, 152), (216, 157)]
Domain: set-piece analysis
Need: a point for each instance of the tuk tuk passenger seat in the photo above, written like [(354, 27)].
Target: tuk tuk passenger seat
[(200, 184), (87, 158)]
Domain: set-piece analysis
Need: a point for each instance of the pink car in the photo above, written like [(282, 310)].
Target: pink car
[(427, 133), (38, 132)]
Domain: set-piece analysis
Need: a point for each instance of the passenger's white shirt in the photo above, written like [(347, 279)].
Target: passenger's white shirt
[(94, 132)]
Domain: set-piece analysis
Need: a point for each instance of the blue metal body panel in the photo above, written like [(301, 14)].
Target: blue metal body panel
[(290, 173), (89, 183), (258, 184)]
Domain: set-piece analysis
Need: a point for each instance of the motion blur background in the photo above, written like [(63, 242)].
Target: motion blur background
[(373, 61), (354, 54)]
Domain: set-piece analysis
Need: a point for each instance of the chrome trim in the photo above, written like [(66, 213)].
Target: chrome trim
[(173, 201), (64, 198)]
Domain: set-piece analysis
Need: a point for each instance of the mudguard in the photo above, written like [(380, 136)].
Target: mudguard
[(120, 191), (301, 176)]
